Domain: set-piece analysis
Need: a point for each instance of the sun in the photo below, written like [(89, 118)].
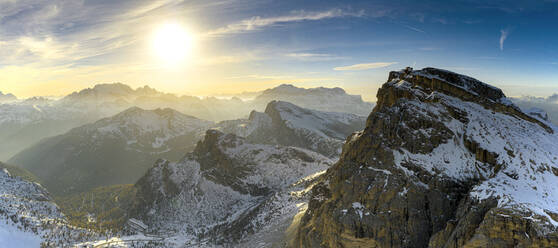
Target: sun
[(172, 43)]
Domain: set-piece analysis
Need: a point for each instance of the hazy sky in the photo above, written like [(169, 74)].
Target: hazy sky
[(58, 46)]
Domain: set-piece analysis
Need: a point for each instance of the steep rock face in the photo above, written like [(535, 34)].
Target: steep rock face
[(444, 161), (224, 190), (284, 123), (114, 150)]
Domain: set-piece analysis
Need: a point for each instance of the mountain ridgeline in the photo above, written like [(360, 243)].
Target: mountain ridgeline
[(444, 161), (320, 98)]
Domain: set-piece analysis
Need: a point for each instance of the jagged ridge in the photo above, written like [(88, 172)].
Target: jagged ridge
[(284, 123)]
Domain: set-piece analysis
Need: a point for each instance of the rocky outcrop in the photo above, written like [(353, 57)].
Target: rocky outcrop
[(444, 161)]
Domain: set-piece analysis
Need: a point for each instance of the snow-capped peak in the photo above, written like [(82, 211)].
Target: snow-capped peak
[(135, 118)]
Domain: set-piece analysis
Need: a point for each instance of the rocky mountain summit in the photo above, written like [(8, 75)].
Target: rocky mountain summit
[(284, 123), (225, 191), (113, 150), (444, 161)]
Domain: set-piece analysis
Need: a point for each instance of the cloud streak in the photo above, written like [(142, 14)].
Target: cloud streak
[(415, 29), (503, 36), (257, 22), (364, 66)]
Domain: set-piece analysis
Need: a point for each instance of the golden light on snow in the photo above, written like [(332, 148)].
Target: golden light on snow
[(172, 43)]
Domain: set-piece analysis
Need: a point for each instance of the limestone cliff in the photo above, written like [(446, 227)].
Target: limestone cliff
[(444, 161)]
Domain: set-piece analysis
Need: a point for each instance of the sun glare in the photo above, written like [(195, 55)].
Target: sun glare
[(172, 43)]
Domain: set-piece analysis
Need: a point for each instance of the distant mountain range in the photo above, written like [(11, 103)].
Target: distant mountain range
[(25, 122)]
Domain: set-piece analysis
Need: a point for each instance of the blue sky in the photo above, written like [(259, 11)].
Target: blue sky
[(55, 47)]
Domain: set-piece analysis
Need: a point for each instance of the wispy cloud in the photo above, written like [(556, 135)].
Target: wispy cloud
[(257, 22), (364, 66), (314, 56), (70, 33), (415, 29), (503, 36)]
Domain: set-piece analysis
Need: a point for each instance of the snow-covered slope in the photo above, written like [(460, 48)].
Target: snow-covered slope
[(113, 150), (323, 99), (445, 161), (223, 191), (133, 124), (284, 123), (29, 218)]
